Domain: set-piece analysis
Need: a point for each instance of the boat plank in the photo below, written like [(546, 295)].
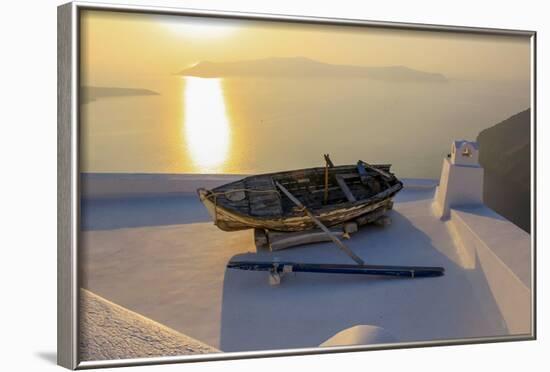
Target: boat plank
[(349, 195), (264, 200)]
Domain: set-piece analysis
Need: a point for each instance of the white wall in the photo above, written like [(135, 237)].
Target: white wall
[(28, 149)]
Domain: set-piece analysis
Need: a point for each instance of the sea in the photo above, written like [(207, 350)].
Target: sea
[(258, 125)]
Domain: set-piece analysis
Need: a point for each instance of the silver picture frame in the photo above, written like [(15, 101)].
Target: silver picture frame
[(68, 184)]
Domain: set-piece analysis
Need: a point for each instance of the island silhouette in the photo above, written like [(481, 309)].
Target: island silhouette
[(306, 67)]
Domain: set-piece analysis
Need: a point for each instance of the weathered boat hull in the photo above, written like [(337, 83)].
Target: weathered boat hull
[(232, 218), (230, 221)]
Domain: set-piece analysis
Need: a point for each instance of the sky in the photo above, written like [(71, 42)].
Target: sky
[(230, 125), (118, 48)]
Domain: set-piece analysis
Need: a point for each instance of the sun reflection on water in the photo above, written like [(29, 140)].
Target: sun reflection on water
[(206, 126)]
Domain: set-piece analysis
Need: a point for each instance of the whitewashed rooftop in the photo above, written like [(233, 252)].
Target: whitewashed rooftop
[(174, 273)]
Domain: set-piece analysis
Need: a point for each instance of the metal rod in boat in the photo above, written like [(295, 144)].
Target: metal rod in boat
[(336, 241)]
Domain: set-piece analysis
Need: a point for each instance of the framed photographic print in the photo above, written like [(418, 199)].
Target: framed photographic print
[(236, 185)]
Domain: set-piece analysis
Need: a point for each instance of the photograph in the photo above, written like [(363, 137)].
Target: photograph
[(265, 185)]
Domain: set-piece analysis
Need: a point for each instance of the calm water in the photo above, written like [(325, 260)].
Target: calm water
[(259, 125)]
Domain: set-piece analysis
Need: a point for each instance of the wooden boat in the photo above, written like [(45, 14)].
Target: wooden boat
[(335, 195)]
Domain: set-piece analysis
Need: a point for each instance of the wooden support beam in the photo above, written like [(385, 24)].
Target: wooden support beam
[(281, 240), (342, 183), (325, 197), (328, 161)]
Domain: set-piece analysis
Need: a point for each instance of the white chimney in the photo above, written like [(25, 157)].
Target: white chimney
[(461, 181)]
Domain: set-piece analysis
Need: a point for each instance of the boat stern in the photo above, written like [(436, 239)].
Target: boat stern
[(225, 220)]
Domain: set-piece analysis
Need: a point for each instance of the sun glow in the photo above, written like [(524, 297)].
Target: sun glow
[(206, 126), (201, 29)]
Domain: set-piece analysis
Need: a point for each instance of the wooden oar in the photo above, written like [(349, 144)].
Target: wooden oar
[(336, 241), (293, 267)]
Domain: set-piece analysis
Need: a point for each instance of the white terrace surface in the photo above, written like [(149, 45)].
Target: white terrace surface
[(175, 274)]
